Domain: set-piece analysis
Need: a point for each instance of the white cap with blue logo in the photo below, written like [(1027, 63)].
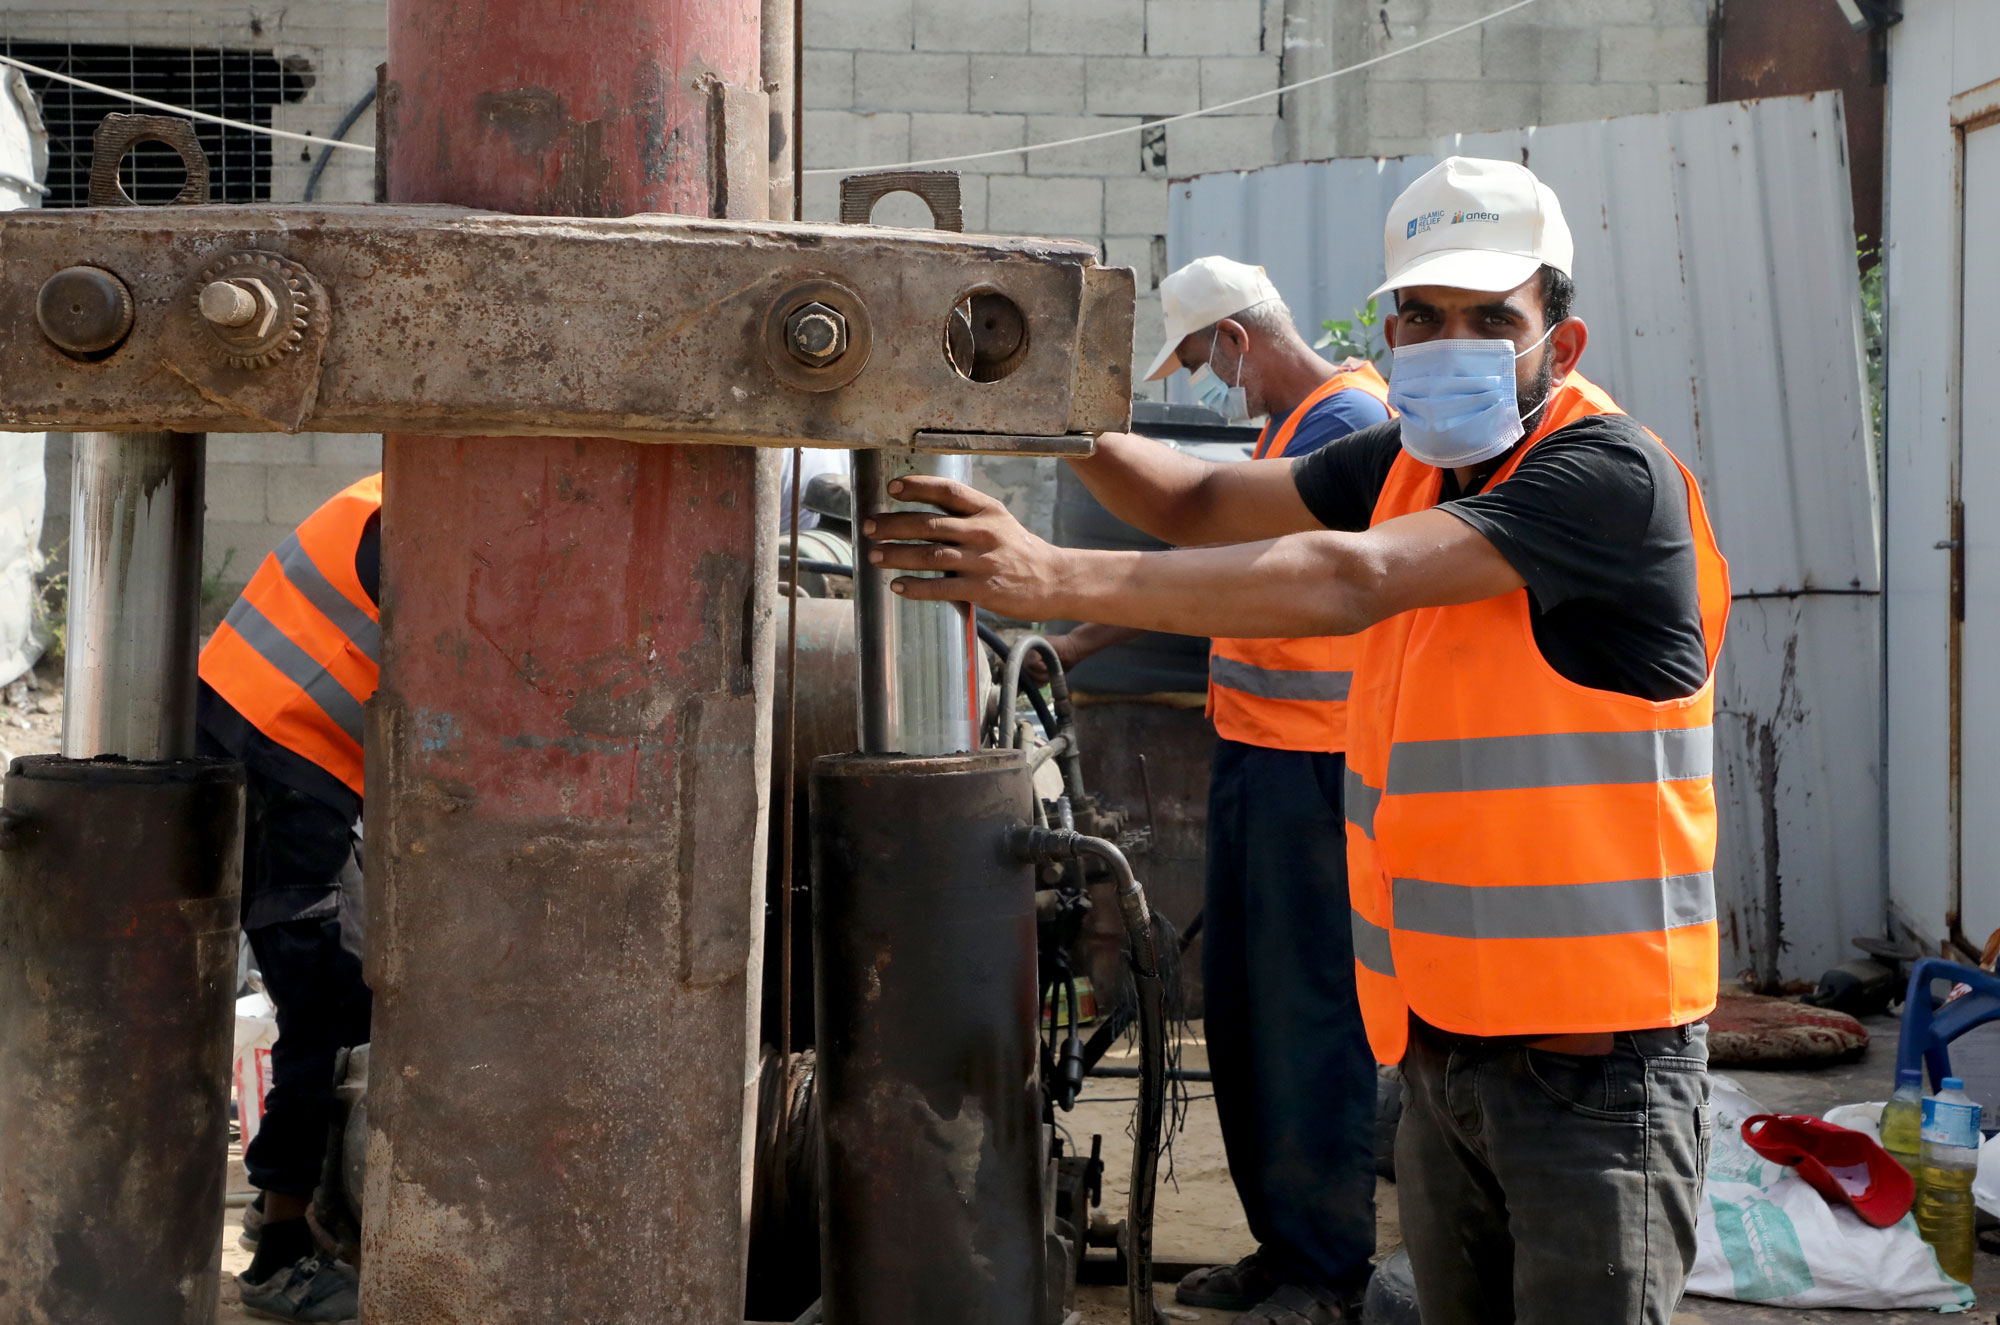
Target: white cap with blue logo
[(1473, 224)]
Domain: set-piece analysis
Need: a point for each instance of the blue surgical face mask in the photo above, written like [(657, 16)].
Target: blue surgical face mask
[(1457, 399), (1230, 402)]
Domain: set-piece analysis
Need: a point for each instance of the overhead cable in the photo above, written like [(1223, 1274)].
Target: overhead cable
[(1187, 115), (137, 100)]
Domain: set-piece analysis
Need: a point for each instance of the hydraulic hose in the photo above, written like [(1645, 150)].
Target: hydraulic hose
[(1071, 758), (1062, 844)]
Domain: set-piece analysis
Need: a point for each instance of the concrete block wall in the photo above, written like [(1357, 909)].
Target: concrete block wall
[(259, 485), (888, 81), (896, 80)]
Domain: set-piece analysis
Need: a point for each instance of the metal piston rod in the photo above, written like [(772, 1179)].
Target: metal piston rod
[(134, 595), (919, 694)]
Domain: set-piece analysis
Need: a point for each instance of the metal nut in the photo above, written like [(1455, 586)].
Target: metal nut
[(816, 334), (85, 310), (228, 304)]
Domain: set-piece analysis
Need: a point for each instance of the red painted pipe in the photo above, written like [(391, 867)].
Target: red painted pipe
[(566, 766)]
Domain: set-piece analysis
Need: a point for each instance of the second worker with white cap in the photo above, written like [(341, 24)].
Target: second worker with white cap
[(1538, 601)]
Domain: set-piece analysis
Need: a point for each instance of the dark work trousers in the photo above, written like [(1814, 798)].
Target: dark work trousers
[(311, 964), (1294, 1078), (1543, 1188)]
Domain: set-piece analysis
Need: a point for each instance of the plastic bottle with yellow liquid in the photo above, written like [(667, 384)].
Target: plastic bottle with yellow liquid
[(1944, 1208), (1903, 1121)]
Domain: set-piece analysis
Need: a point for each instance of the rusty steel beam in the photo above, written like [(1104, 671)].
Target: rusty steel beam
[(657, 328), (567, 764)]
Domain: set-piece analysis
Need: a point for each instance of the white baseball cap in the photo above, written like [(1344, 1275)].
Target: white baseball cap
[(1201, 294), (1474, 224)]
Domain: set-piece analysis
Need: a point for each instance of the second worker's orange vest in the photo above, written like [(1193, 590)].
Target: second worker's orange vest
[(1526, 855), (1289, 694), (300, 651)]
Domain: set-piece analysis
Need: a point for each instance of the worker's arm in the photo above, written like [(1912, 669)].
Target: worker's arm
[(1184, 501), (1320, 583)]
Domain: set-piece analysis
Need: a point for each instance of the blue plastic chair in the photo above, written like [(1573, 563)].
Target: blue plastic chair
[(1929, 1027)]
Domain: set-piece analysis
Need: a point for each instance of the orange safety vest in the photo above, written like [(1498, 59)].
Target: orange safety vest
[(1289, 694), (300, 652), (1526, 855)]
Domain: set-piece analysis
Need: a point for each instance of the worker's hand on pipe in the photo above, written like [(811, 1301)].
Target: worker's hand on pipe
[(990, 559)]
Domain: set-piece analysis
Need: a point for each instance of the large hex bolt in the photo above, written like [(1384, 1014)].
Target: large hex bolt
[(85, 310), (816, 334), (228, 304)]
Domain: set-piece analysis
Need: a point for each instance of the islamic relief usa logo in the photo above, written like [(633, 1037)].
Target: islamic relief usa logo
[(1427, 221)]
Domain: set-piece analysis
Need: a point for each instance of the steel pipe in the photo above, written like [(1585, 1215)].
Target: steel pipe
[(924, 947), (919, 690), (118, 917), (134, 594), (567, 754)]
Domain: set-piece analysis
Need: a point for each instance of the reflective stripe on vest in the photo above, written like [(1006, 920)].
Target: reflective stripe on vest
[(299, 654), (1526, 855), (1289, 694)]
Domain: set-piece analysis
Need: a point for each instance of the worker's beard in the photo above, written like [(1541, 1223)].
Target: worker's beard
[(1545, 381)]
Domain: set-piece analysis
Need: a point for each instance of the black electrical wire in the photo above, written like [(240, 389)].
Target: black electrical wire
[(347, 121), (1130, 1073)]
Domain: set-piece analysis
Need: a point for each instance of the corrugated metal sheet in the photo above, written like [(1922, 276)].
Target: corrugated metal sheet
[(1715, 267), (1314, 226)]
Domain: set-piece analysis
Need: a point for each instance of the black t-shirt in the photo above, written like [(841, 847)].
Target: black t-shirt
[(1595, 520)]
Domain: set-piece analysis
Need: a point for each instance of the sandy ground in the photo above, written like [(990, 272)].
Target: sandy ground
[(1200, 1221)]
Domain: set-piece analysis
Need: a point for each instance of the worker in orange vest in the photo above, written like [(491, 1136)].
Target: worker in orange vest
[(283, 681), (1294, 1082), (1530, 806)]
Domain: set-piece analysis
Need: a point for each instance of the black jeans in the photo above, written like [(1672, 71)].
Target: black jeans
[(1548, 1188), (302, 864), (1294, 1078), (323, 1007)]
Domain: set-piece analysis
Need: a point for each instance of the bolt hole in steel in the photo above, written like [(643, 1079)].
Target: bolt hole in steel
[(986, 336), (85, 311)]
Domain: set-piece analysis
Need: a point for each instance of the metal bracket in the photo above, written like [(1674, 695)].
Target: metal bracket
[(118, 134), (940, 190), (655, 328)]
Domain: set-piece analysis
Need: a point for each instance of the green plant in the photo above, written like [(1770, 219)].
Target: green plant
[(52, 602), (1354, 337), (1874, 321)]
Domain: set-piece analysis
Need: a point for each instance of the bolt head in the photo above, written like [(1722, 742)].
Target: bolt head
[(816, 334), (84, 310)]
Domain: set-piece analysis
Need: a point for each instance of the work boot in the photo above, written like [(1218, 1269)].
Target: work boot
[(315, 1288), (1237, 1287)]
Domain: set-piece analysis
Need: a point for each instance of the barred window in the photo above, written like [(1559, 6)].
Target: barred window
[(237, 84)]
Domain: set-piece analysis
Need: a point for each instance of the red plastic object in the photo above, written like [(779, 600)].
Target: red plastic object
[(1839, 1163)]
